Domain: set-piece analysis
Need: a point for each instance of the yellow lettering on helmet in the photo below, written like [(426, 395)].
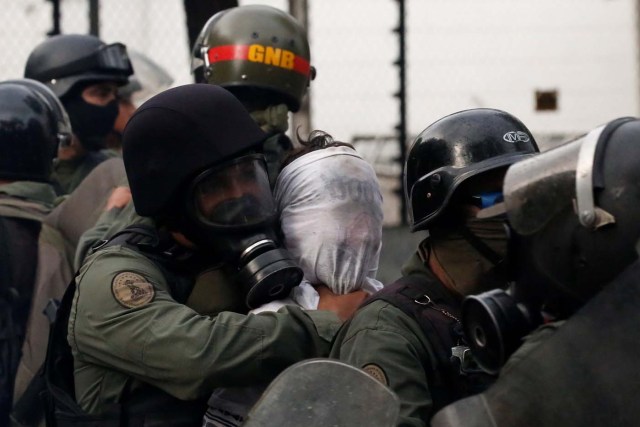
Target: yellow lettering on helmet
[(272, 56), (256, 53), (287, 59)]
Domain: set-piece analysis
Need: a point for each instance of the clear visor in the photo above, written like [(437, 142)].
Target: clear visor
[(539, 188), (237, 194)]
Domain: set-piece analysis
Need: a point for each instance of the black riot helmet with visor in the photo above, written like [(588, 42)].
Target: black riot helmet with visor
[(577, 201), (190, 156), (454, 149), (255, 51), (66, 61), (33, 124), (56, 109), (575, 210)]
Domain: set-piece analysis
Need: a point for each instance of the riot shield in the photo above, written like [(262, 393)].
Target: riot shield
[(584, 374), (324, 392)]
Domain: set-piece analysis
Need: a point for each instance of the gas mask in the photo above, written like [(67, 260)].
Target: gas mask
[(231, 215), (563, 241), (495, 321)]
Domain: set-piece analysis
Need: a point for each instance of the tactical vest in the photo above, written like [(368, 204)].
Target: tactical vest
[(453, 374), (145, 406), (20, 223)]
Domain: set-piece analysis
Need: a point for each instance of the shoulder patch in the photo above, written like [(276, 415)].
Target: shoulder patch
[(376, 372), (131, 290)]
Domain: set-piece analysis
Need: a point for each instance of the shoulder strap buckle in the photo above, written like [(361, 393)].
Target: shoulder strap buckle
[(99, 245), (423, 300)]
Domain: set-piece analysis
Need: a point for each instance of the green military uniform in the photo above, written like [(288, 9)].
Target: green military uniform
[(23, 206), (124, 323), (108, 224), (389, 345), (60, 234), (68, 174), (27, 199)]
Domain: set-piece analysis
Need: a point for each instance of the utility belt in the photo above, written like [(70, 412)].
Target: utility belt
[(453, 374)]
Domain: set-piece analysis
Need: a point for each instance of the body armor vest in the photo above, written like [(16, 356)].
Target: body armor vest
[(453, 374)]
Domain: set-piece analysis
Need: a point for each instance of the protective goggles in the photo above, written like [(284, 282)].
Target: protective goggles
[(110, 58), (236, 194)]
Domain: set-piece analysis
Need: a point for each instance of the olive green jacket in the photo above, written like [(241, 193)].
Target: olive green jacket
[(26, 199), (33, 201), (124, 323), (389, 345), (60, 233), (68, 174)]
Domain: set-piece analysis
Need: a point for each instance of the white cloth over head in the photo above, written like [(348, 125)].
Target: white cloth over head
[(330, 208)]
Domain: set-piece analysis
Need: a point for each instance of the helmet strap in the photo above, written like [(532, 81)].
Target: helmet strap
[(482, 248)]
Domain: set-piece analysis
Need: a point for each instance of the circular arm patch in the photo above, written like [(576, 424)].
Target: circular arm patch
[(376, 372), (131, 290)]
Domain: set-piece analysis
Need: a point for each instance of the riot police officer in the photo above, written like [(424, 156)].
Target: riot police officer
[(576, 210), (408, 335), (137, 346), (261, 55), (84, 73), (32, 125), (242, 49)]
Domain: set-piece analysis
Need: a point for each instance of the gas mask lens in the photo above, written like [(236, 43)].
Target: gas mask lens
[(236, 194)]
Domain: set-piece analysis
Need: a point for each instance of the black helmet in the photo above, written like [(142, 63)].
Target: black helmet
[(255, 49), (64, 61), (176, 135), (32, 124), (579, 205), (59, 113), (456, 148)]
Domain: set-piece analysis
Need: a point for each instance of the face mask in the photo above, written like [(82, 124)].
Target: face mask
[(91, 122), (468, 268)]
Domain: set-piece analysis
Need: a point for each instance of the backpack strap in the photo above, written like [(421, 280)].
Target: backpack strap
[(431, 306), (159, 249)]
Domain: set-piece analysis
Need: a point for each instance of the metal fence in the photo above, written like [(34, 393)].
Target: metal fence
[(578, 56)]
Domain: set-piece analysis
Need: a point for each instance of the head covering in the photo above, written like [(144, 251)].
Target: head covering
[(330, 209)]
